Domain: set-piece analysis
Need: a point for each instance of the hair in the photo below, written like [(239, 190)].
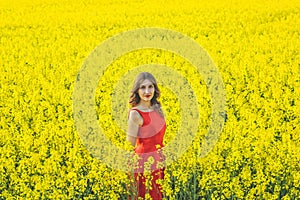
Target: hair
[(135, 98)]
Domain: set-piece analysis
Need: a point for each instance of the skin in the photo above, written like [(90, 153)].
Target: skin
[(146, 93)]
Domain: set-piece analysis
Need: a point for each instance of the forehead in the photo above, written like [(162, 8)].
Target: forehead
[(146, 82)]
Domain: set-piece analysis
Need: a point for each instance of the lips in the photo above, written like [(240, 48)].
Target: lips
[(147, 96)]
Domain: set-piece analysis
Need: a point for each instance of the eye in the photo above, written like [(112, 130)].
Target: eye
[(151, 86), (142, 87)]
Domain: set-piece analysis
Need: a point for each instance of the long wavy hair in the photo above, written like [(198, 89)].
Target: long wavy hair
[(135, 98)]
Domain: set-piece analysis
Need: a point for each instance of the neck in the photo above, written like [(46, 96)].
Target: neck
[(145, 104)]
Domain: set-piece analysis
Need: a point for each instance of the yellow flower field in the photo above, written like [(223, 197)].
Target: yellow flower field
[(255, 46)]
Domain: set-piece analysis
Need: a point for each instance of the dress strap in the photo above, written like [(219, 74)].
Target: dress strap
[(136, 110)]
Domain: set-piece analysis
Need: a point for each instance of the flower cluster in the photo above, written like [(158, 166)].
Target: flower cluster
[(255, 46)]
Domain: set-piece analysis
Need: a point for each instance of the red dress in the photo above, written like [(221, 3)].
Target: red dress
[(149, 142)]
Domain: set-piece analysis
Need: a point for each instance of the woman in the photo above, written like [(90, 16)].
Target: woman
[(146, 129)]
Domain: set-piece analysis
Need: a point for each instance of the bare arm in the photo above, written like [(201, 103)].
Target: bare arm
[(134, 121)]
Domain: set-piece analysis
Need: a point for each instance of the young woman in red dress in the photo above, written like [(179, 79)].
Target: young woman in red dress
[(146, 129)]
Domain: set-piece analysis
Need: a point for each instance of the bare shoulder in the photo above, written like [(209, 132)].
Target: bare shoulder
[(135, 116)]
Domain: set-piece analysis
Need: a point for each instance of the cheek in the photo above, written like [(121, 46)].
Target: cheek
[(140, 93), (153, 94)]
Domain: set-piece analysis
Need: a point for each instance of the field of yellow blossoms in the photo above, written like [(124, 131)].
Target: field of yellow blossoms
[(255, 46)]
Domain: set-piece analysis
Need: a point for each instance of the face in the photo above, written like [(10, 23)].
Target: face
[(146, 90)]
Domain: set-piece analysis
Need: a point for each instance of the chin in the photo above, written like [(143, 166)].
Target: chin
[(147, 99)]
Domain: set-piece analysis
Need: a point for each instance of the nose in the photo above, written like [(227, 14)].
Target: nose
[(147, 90)]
